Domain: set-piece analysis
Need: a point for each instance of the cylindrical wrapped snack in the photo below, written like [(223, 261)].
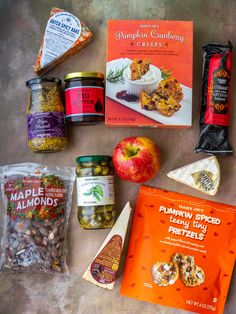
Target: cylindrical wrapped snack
[(215, 108)]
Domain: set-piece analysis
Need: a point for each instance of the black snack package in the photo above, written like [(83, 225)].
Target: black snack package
[(215, 108)]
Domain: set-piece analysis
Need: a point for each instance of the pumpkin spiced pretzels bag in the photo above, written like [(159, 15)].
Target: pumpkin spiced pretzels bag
[(181, 252)]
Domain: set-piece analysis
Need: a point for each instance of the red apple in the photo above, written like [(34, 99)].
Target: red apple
[(136, 159)]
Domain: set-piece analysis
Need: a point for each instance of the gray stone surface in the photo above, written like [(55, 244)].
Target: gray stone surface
[(22, 23)]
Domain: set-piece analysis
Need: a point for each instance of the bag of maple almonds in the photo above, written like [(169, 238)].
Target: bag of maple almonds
[(36, 208), (181, 252)]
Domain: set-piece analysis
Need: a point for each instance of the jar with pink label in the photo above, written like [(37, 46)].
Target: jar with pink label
[(84, 96)]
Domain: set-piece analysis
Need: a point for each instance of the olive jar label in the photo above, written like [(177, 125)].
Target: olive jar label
[(95, 191)]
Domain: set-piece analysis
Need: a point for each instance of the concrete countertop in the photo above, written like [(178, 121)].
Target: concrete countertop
[(22, 25)]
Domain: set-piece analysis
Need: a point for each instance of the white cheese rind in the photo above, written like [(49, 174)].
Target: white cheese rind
[(185, 174), (119, 228)]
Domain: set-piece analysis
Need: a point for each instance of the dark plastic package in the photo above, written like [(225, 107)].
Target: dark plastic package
[(215, 107)]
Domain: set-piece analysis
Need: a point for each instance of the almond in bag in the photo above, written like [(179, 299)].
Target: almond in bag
[(181, 252)]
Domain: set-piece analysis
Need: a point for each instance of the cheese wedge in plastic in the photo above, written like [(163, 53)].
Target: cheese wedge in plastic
[(103, 270), (64, 35), (202, 175)]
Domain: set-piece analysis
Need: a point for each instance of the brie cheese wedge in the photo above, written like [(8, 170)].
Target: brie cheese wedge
[(202, 175)]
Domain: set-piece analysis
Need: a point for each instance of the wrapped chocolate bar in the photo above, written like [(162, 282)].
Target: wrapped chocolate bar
[(215, 108)]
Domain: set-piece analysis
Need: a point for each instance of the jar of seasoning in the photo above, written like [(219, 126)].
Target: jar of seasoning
[(84, 95), (95, 192), (45, 115)]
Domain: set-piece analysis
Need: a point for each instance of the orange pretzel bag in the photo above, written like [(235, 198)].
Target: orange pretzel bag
[(181, 252)]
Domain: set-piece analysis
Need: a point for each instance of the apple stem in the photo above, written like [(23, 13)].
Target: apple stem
[(131, 151)]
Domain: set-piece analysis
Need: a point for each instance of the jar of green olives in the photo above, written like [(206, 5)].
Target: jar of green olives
[(95, 192)]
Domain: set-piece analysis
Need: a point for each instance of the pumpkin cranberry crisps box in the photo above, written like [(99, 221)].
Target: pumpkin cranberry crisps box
[(181, 252), (149, 73)]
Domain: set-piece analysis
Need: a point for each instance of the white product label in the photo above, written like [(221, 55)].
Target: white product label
[(62, 30), (95, 191)]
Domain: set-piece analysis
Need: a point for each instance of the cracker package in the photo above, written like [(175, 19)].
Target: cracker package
[(181, 252), (149, 73)]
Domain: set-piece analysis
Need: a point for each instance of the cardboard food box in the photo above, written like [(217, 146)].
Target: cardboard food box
[(149, 73)]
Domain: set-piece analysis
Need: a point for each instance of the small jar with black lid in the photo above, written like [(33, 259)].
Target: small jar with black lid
[(84, 96)]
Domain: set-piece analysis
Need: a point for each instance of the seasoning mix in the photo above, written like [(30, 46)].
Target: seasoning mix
[(45, 115)]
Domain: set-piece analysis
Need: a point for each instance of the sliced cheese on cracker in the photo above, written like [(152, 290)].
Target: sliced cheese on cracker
[(202, 175)]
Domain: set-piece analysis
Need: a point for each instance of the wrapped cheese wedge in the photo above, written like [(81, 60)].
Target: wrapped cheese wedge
[(103, 270), (64, 35), (202, 175)]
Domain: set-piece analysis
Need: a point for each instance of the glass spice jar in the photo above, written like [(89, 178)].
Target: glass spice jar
[(45, 115), (84, 97), (95, 192)]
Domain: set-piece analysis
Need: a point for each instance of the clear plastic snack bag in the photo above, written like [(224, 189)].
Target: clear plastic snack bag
[(36, 207)]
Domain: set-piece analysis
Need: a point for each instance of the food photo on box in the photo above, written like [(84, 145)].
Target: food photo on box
[(149, 71), (117, 194)]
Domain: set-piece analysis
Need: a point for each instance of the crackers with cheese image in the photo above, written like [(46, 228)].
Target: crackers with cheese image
[(191, 274), (165, 274)]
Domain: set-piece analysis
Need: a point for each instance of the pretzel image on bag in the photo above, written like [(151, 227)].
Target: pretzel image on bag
[(181, 251), (165, 274)]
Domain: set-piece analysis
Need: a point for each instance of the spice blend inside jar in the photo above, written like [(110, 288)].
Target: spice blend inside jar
[(95, 192), (45, 115), (84, 95)]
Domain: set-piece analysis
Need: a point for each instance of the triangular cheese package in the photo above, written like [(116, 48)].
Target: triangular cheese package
[(64, 35), (202, 175), (103, 270)]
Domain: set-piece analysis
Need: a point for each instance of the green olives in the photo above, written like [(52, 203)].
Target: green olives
[(108, 217), (97, 170), (104, 216), (105, 170)]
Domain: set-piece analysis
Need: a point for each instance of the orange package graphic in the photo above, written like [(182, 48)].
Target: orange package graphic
[(181, 252)]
